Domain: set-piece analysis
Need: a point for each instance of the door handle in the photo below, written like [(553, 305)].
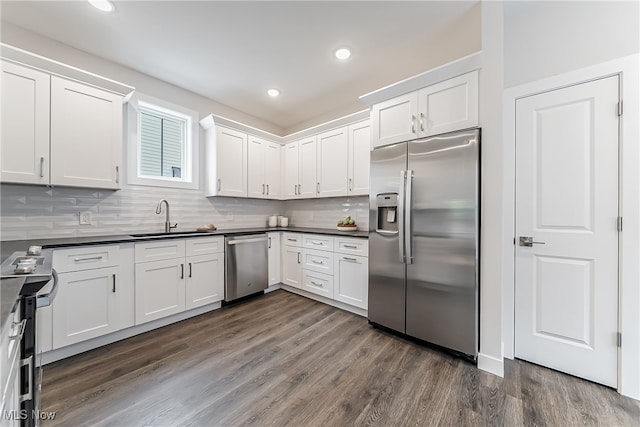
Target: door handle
[(190, 270), (262, 189), (182, 271), (41, 167), (421, 122), (298, 257), (408, 226), (219, 184), (267, 189), (528, 241), (117, 174), (269, 243), (113, 289), (413, 124)]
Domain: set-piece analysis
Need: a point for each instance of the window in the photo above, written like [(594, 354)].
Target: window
[(166, 146)]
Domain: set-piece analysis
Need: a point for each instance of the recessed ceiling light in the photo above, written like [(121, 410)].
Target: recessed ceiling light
[(342, 53), (103, 5), (273, 92)]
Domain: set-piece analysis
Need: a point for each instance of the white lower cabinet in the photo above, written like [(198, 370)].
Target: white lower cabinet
[(318, 283), (274, 256), (292, 266), (90, 302), (173, 282), (160, 289), (351, 274), (205, 280)]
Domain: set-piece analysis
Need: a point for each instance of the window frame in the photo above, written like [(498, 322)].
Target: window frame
[(190, 178)]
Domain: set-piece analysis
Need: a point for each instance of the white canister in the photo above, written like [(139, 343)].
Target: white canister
[(283, 221), (273, 221)]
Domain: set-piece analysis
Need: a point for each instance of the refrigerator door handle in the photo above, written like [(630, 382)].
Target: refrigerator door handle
[(408, 238), (401, 195)]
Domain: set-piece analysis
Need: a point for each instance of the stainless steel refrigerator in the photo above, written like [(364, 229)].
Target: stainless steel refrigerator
[(424, 239)]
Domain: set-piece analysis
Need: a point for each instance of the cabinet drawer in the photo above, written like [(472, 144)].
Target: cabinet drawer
[(292, 239), (320, 261), (318, 283), (159, 250), (205, 245), (85, 258), (351, 246), (317, 241)]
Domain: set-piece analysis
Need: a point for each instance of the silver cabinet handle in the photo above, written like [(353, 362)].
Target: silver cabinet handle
[(29, 394), (316, 242), (413, 124), (318, 187), (219, 184), (298, 257), (317, 262), (528, 241), (91, 258), (267, 189), (350, 246), (113, 289), (117, 174), (421, 122), (269, 246), (316, 284), (292, 240), (295, 189), (262, 189), (349, 259), (350, 184), (182, 271), (190, 270), (41, 167)]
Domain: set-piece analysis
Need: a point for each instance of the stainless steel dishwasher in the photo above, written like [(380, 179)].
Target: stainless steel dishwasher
[(246, 266)]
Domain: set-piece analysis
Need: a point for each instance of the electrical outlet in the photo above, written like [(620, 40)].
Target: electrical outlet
[(85, 218)]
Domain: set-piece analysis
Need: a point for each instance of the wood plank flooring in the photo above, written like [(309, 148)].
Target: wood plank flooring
[(283, 359)]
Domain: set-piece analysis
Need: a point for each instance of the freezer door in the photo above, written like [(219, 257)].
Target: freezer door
[(442, 234), (386, 269)]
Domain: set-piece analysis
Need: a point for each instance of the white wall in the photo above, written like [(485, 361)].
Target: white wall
[(545, 38)]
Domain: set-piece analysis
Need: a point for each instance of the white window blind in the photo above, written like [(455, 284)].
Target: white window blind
[(162, 145)]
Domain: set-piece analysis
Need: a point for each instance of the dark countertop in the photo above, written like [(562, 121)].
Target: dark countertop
[(10, 288)]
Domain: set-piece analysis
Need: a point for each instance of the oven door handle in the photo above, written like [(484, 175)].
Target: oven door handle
[(45, 300)]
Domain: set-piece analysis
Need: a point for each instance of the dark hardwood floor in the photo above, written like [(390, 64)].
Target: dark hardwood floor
[(282, 359)]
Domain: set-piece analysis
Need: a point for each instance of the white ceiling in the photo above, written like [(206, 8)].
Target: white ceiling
[(233, 51)]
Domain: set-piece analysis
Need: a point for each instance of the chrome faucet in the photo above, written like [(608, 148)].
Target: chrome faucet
[(167, 222)]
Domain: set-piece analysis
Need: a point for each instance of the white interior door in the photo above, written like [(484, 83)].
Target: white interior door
[(566, 302)]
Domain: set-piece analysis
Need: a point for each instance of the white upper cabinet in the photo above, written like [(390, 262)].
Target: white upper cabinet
[(443, 107), (359, 158), (332, 163), (449, 105), (395, 120), (58, 131), (226, 162), (24, 152), (291, 169), (86, 135), (307, 184), (263, 170)]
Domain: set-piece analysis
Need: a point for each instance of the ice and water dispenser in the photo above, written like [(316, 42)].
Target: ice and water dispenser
[(387, 212)]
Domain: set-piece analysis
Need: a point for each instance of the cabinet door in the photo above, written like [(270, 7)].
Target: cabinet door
[(332, 165), (160, 289), (395, 120), (291, 168), (205, 280), (359, 158), (449, 105), (351, 275), (86, 136), (24, 152), (291, 266), (274, 258), (256, 185), (86, 306), (307, 164), (231, 163), (272, 170)]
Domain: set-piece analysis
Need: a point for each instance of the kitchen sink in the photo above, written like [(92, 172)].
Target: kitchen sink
[(171, 233)]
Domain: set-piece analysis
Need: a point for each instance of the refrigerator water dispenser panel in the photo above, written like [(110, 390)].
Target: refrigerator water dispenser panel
[(387, 204)]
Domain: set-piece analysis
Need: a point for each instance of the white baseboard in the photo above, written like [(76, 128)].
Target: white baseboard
[(338, 304), (491, 364)]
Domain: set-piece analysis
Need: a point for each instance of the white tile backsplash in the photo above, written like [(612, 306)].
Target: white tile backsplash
[(31, 212)]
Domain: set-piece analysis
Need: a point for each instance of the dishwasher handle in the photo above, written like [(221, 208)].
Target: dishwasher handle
[(253, 240), (45, 300)]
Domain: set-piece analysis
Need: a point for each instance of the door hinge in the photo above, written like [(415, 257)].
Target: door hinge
[(620, 108), (619, 339), (619, 224)]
